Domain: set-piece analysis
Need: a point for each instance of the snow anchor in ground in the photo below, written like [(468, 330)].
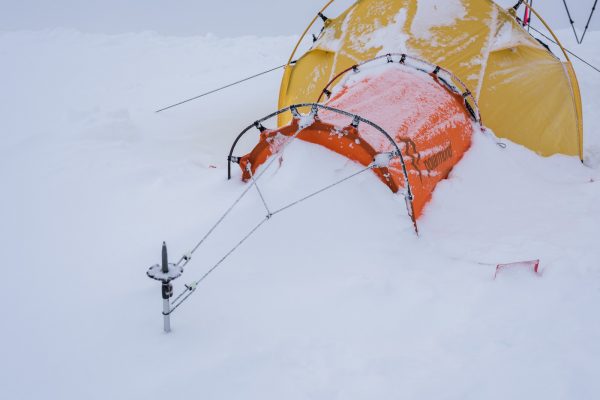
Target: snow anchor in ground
[(165, 272)]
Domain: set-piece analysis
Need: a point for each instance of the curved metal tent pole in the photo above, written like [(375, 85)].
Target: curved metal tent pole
[(286, 69), (543, 21), (314, 106), (575, 92), (307, 29), (466, 93)]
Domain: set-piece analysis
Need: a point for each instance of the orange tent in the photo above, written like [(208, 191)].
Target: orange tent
[(427, 125)]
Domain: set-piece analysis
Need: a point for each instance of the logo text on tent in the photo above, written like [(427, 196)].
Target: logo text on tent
[(435, 160)]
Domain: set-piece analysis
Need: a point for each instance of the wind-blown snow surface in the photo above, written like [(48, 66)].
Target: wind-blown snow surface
[(335, 298)]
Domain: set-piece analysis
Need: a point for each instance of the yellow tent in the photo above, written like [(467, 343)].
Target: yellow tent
[(525, 93)]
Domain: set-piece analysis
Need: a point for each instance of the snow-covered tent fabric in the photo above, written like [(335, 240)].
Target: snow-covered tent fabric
[(525, 92)]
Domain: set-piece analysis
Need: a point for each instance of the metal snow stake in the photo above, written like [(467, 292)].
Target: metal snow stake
[(165, 272)]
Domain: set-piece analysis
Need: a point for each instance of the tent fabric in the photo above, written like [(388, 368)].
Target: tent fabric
[(429, 122), (525, 93)]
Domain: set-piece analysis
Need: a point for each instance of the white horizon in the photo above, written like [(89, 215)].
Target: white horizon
[(223, 19)]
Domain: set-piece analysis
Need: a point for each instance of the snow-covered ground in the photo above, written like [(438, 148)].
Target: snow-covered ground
[(335, 298)]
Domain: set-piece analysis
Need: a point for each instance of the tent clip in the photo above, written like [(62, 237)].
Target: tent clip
[(314, 111), (516, 6), (295, 112), (382, 160), (259, 126)]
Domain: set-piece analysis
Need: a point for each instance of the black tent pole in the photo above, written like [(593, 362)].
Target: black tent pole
[(587, 25), (571, 20)]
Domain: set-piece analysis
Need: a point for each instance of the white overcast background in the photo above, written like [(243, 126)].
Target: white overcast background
[(221, 18)]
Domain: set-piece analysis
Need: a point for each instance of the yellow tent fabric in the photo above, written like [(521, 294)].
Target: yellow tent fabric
[(525, 93)]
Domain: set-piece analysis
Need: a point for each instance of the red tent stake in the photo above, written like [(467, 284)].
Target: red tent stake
[(533, 264)]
